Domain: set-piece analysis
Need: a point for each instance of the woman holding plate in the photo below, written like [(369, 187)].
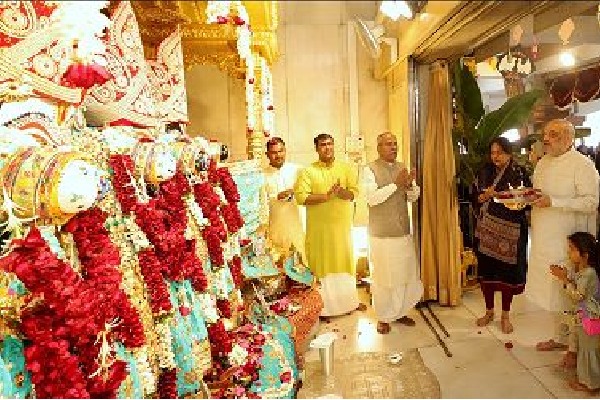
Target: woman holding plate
[(501, 230)]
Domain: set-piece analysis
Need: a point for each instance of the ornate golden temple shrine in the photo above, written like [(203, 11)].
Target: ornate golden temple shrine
[(227, 44)]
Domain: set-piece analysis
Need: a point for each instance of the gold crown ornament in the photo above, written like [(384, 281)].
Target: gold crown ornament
[(49, 184), (127, 98), (167, 80)]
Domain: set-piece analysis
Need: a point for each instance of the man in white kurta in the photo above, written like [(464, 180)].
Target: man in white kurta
[(282, 216), (569, 184), (396, 287)]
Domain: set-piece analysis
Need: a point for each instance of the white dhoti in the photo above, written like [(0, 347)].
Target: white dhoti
[(549, 232), (396, 287), (339, 294)]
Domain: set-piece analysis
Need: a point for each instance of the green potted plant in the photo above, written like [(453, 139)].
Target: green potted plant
[(474, 129)]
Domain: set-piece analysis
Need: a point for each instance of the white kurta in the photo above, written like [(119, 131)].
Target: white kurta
[(286, 218), (571, 181), (395, 283)]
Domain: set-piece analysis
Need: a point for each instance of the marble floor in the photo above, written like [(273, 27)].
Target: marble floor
[(483, 362)]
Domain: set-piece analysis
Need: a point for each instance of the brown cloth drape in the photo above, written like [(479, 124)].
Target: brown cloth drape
[(440, 232), (582, 86)]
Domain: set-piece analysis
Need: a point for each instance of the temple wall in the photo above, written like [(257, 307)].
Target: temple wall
[(316, 88)]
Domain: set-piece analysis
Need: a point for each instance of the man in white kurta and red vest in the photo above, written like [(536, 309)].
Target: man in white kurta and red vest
[(395, 287), (282, 216), (569, 184)]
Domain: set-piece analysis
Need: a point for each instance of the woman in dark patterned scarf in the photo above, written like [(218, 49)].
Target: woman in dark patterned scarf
[(501, 235)]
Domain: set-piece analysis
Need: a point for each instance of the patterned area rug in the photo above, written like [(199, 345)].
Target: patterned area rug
[(370, 376)]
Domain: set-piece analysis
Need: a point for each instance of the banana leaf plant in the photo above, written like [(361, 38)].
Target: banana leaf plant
[(473, 129)]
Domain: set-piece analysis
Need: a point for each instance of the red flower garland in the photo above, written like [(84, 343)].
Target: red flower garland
[(167, 384), (233, 218), (155, 284), (223, 176), (235, 267), (100, 259), (220, 341), (163, 220), (63, 328), (224, 308)]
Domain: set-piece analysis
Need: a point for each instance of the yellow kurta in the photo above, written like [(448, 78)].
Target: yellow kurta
[(328, 225), (328, 234)]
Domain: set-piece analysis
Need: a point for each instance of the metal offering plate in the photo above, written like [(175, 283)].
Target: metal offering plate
[(517, 199)]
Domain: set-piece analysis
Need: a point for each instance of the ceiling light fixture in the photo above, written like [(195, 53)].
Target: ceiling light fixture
[(567, 59), (515, 61), (396, 9)]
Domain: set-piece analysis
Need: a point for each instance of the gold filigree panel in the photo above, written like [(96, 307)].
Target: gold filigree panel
[(204, 42)]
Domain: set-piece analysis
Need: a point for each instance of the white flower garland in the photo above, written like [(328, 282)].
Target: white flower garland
[(208, 304), (219, 8), (267, 97), (82, 21), (164, 353), (148, 379)]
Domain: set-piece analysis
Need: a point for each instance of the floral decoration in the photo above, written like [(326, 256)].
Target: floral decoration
[(72, 321)]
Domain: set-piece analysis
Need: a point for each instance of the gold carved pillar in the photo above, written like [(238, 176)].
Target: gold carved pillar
[(256, 136)]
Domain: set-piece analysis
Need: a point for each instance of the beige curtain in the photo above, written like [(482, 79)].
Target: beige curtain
[(440, 232)]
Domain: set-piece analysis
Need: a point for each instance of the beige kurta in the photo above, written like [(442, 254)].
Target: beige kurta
[(285, 217), (329, 247), (571, 181), (396, 286)]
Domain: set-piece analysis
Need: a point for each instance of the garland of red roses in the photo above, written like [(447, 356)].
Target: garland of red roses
[(100, 260), (215, 233), (62, 329), (163, 220), (167, 384), (230, 211), (235, 267)]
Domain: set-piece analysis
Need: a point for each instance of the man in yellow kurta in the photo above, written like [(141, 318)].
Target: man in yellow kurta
[(327, 188)]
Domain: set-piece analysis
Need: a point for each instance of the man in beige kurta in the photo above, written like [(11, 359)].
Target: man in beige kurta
[(395, 287), (280, 212)]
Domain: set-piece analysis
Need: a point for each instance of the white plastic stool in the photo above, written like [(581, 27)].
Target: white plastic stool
[(325, 345)]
